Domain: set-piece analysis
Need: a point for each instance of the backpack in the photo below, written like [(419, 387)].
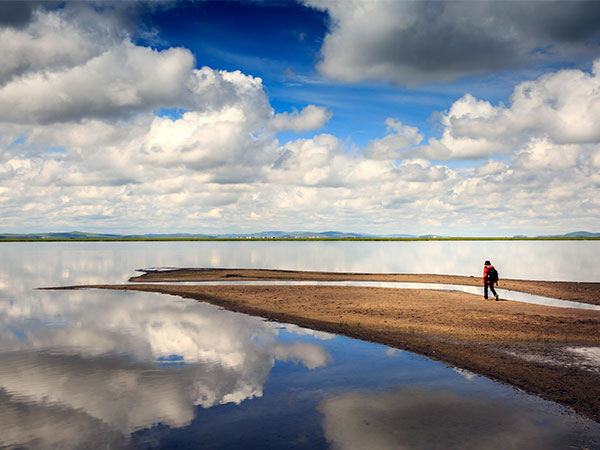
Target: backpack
[(492, 275)]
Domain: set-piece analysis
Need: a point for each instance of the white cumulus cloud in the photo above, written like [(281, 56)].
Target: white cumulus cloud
[(400, 138), (124, 79), (118, 135), (310, 118), (560, 107)]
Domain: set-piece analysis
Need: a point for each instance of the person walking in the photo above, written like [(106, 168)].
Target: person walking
[(490, 277)]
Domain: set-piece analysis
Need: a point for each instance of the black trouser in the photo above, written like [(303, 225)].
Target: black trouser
[(485, 289)]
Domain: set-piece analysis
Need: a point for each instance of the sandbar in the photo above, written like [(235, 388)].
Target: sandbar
[(547, 351)]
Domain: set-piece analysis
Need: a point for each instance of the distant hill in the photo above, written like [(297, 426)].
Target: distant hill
[(577, 234), (61, 235), (582, 234), (294, 235), (168, 236), (78, 235)]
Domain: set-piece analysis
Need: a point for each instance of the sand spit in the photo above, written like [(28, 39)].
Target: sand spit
[(584, 292), (540, 349)]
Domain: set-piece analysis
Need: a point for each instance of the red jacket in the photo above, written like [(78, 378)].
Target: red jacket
[(485, 270)]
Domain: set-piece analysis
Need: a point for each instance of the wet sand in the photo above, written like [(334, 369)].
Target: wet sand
[(583, 292), (548, 351)]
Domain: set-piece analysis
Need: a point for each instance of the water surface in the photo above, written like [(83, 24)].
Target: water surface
[(99, 262), (108, 369)]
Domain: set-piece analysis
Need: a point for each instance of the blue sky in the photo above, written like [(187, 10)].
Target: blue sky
[(377, 116), (280, 42)]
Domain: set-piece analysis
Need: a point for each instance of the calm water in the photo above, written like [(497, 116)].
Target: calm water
[(101, 369)]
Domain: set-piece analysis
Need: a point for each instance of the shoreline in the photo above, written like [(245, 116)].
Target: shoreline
[(542, 350), (577, 291)]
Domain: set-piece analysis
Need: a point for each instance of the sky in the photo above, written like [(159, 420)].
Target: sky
[(458, 118)]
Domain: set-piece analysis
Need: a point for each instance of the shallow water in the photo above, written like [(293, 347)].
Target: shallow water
[(114, 262), (504, 294), (108, 369)]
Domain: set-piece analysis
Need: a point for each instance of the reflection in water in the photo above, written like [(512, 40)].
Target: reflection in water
[(425, 419), (114, 262), (102, 369), (103, 358), (43, 426)]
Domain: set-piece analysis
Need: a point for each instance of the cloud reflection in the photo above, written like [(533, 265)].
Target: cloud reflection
[(36, 426), (422, 419), (309, 355), (99, 356)]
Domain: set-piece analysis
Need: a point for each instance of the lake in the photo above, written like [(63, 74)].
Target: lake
[(103, 369)]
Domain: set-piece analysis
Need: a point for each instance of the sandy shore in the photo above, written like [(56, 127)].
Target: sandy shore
[(579, 292), (551, 352)]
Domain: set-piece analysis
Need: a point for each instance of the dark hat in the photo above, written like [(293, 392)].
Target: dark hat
[(487, 263)]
